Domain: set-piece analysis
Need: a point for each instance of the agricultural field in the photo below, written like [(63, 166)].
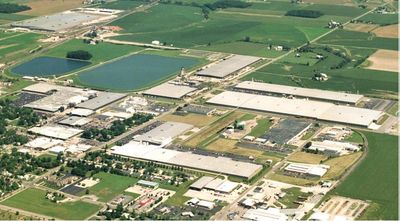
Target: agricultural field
[(52, 6), (33, 200), (122, 4), (349, 77), (380, 19), (9, 18), (184, 26), (379, 185), (383, 60), (359, 39), (17, 45), (110, 186)]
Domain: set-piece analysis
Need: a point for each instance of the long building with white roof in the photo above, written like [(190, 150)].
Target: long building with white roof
[(298, 107), (214, 164), (316, 170), (170, 90), (228, 66), (315, 94)]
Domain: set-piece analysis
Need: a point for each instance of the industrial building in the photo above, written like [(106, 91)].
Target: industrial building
[(298, 107), (333, 148), (54, 131), (58, 97), (163, 134), (214, 184), (75, 121), (60, 22), (101, 100), (270, 214), (303, 169), (228, 66), (214, 164), (315, 94), (80, 112), (43, 143), (170, 90)]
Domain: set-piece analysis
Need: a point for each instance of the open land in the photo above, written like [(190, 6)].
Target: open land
[(384, 60), (33, 200)]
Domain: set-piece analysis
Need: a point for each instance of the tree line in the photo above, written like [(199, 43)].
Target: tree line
[(9, 8)]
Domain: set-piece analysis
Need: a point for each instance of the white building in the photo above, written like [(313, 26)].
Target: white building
[(270, 214), (315, 170), (333, 148)]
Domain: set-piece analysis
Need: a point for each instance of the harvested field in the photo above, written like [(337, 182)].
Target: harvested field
[(389, 31), (303, 157), (196, 120), (384, 60), (361, 27), (45, 7)]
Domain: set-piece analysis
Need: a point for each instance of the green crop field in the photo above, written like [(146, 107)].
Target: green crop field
[(33, 200), (110, 186), (376, 178), (101, 52), (184, 26), (380, 19), (122, 4), (359, 39), (348, 78), (18, 45)]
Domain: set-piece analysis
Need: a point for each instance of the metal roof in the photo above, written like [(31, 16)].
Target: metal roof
[(102, 99), (228, 66), (167, 130), (299, 91), (169, 90), (298, 107)]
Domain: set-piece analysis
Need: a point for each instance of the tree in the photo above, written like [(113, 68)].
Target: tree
[(247, 39), (79, 54)]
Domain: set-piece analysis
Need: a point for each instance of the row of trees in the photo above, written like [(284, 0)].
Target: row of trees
[(117, 128), (9, 8), (304, 13), (79, 54)]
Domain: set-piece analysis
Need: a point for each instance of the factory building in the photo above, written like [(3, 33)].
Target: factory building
[(299, 107), (299, 92), (228, 66)]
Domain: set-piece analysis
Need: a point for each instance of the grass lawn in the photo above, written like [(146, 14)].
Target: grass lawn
[(18, 46), (293, 195), (376, 178), (339, 165), (394, 109), (33, 200), (229, 146), (205, 136), (293, 180), (178, 199), (101, 52), (355, 137), (262, 127), (303, 157), (110, 185), (196, 120)]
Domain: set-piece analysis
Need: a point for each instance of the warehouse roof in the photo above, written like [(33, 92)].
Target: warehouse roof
[(170, 90), (202, 182), (298, 107), (57, 22), (270, 214), (299, 91), (188, 159), (43, 143), (75, 121), (81, 112), (167, 130), (58, 132), (228, 66), (310, 169), (102, 99)]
